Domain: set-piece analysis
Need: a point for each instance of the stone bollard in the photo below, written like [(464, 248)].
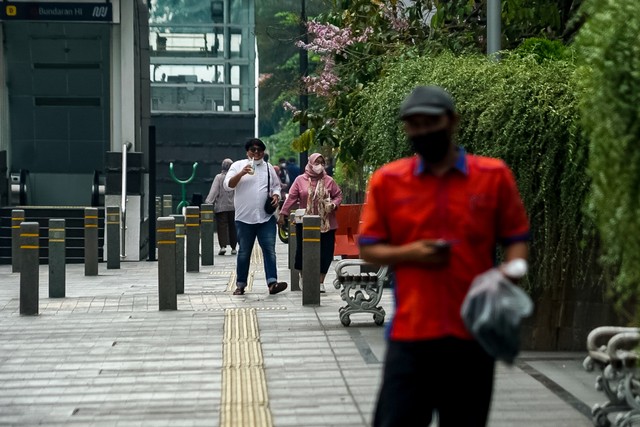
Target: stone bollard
[(311, 260), (29, 266), (90, 241), (17, 217), (57, 259), (113, 237), (192, 223), (158, 207), (295, 277), (179, 253), (167, 205), (206, 233), (166, 238)]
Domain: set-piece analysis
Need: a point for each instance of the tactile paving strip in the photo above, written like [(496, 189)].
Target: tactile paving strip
[(244, 400)]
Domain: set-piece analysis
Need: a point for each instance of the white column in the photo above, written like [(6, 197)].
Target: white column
[(123, 113)]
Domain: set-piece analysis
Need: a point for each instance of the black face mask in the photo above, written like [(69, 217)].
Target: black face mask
[(432, 146)]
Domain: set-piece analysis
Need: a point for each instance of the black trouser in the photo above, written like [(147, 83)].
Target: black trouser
[(451, 376), (327, 246), (226, 228)]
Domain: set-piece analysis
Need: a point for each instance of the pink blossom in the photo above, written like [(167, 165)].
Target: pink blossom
[(329, 40), (290, 107), (395, 15)]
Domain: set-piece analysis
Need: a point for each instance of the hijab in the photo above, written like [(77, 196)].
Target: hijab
[(308, 170), (318, 197)]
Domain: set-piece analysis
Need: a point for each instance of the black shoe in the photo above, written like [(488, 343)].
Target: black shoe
[(277, 287)]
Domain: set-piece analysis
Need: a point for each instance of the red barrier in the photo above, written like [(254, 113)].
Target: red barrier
[(348, 217)]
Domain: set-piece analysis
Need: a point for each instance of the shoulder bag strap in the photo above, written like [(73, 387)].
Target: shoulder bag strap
[(268, 181)]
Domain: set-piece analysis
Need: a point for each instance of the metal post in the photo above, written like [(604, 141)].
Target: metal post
[(166, 240), (158, 207), (90, 241), (57, 266), (206, 233), (113, 237), (295, 277), (29, 265), (152, 198), (123, 201), (304, 72), (192, 222), (179, 253), (17, 216), (311, 260), (167, 205), (494, 31)]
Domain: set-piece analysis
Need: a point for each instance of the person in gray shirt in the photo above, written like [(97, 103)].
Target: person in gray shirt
[(222, 201)]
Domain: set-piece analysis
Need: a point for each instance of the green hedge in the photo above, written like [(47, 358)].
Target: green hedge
[(609, 78), (524, 111)]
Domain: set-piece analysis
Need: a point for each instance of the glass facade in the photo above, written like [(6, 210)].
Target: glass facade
[(202, 56)]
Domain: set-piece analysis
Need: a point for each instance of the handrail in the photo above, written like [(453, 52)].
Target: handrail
[(123, 202)]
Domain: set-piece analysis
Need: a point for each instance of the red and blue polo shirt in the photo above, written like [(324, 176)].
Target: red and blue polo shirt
[(474, 206)]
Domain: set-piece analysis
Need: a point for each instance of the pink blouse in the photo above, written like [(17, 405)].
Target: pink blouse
[(298, 194)]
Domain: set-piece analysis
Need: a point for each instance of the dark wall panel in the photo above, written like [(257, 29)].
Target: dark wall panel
[(205, 139)]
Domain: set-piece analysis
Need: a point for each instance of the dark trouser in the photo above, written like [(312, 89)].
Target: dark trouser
[(265, 232), (327, 247), (451, 376), (226, 228)]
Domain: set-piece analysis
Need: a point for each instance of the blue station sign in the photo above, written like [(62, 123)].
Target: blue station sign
[(38, 11)]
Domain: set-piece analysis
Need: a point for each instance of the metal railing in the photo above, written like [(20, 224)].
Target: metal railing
[(123, 202)]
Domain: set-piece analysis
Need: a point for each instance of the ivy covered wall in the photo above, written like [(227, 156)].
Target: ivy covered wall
[(524, 110)]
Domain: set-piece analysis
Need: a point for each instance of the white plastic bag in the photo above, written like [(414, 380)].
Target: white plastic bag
[(493, 311)]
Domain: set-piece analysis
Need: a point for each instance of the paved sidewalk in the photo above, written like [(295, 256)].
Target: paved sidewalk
[(105, 355)]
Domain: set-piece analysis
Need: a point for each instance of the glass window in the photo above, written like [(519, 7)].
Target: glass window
[(193, 67)]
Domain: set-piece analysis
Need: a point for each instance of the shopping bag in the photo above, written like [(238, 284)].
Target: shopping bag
[(493, 311)]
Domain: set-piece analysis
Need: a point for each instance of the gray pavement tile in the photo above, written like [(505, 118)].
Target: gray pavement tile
[(105, 355)]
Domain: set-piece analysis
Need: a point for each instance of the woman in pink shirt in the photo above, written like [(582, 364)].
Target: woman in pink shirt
[(319, 194)]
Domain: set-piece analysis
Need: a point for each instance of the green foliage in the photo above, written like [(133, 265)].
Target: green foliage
[(543, 49), (610, 104), (462, 24), (279, 144), (277, 29), (521, 111)]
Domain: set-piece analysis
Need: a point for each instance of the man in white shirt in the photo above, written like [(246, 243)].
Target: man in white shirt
[(249, 178)]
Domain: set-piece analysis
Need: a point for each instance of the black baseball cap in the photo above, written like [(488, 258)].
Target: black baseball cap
[(429, 100)]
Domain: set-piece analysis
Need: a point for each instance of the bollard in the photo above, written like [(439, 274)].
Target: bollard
[(17, 216), (206, 233), (167, 205), (166, 239), (29, 265), (179, 253), (295, 277), (113, 237), (158, 207), (311, 260), (90, 241), (192, 223), (57, 258)]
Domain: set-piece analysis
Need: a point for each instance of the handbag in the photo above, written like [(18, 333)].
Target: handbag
[(268, 207)]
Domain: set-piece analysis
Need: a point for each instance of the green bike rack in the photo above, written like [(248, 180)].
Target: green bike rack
[(183, 184)]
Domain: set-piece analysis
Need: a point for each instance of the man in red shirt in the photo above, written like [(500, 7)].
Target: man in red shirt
[(436, 219)]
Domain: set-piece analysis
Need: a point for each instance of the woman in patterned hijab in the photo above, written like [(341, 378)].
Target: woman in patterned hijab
[(318, 194)]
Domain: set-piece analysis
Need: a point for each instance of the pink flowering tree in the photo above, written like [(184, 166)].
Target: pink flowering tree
[(349, 48)]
